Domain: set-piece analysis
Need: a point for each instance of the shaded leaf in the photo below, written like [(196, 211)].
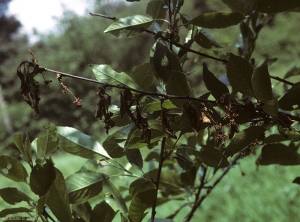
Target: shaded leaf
[(134, 157), (243, 139), (77, 143), (156, 9), (271, 107), (104, 73), (17, 210), (213, 84), (112, 147), (143, 76), (12, 169), (12, 195), (244, 6), (261, 83), (102, 212), (296, 180), (274, 6), (217, 19), (204, 39), (279, 154), (83, 186), (290, 100), (130, 25), (188, 177), (239, 73), (294, 71), (25, 148), (58, 200), (213, 157)]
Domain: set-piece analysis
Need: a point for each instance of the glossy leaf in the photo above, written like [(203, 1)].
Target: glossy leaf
[(104, 73), (182, 89), (271, 107), (213, 84), (156, 106), (41, 177), (12, 169), (58, 199), (239, 73), (279, 154), (17, 210), (274, 6), (204, 39), (290, 100), (25, 148), (261, 83), (143, 76), (243, 139), (13, 196), (83, 186), (130, 25), (217, 19), (134, 157), (102, 212), (77, 143)]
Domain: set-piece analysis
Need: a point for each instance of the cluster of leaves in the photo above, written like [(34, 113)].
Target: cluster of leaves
[(184, 134)]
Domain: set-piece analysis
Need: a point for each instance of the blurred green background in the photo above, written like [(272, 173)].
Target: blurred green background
[(263, 194)]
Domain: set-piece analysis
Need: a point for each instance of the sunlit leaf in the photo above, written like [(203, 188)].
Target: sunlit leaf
[(274, 6), (130, 25), (239, 73), (217, 19), (12, 169), (279, 154), (143, 76), (102, 212), (156, 106), (104, 73), (243, 139), (77, 143), (290, 99), (12, 195)]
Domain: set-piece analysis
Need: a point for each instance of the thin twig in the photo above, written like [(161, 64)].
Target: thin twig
[(103, 16), (161, 160), (282, 80)]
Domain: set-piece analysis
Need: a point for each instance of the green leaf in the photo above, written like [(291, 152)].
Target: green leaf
[(218, 19), (244, 6), (83, 186), (163, 62), (271, 107), (104, 73), (16, 210), (213, 157), (102, 212), (134, 157), (213, 84), (143, 76), (239, 73), (279, 154), (58, 200), (156, 106), (130, 25), (161, 220), (261, 83), (243, 139), (290, 100), (41, 177), (25, 148), (110, 189), (182, 89), (40, 207), (188, 176), (77, 143), (156, 9), (274, 6), (12, 169), (112, 147), (12, 195), (204, 39)]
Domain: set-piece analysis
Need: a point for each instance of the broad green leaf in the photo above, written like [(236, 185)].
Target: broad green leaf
[(134, 157), (182, 89), (204, 39), (25, 148), (16, 210), (47, 143), (58, 200), (77, 143), (274, 6), (112, 147), (271, 107), (102, 212), (104, 73), (143, 76), (130, 25), (12, 195), (239, 73), (40, 207), (213, 157), (217, 19), (157, 9), (12, 169), (279, 154), (243, 6), (83, 186), (156, 106), (261, 83), (290, 100), (183, 158), (243, 139), (213, 84), (41, 177), (83, 211), (163, 62), (110, 189)]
